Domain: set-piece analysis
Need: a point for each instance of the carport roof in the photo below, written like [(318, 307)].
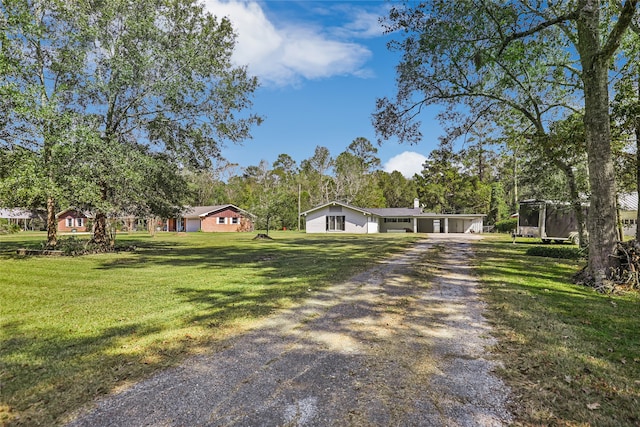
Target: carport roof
[(436, 215), (395, 212)]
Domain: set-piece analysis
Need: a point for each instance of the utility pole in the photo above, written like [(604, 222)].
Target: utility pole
[(299, 189)]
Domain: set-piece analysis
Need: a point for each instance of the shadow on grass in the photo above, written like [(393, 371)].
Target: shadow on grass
[(316, 260), (49, 371), (46, 372), (565, 346), (358, 349)]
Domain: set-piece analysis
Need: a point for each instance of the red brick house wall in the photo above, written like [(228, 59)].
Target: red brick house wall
[(72, 220), (212, 222)]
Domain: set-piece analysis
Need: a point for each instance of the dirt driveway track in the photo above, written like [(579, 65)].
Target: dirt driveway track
[(382, 349)]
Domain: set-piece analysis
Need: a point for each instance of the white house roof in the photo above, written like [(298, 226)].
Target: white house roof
[(85, 213), (202, 211), (16, 213), (396, 212), (346, 205), (628, 201)]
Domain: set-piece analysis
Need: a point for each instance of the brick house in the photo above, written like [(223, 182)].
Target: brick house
[(72, 221), (219, 218)]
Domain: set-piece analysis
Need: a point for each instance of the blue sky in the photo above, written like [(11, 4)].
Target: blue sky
[(321, 65)]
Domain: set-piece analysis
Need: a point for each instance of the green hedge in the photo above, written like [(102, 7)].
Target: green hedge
[(507, 225), (6, 228), (565, 252)]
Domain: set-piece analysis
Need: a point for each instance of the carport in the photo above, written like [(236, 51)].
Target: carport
[(450, 223)]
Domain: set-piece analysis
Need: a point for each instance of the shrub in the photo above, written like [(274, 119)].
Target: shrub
[(72, 246), (507, 225), (7, 228), (566, 252)]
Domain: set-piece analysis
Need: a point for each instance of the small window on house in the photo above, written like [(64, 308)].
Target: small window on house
[(235, 220), (221, 220), (79, 222), (69, 222)]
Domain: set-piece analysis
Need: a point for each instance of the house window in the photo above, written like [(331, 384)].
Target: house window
[(397, 220), (335, 223), (220, 220), (79, 222), (69, 222), (235, 220)]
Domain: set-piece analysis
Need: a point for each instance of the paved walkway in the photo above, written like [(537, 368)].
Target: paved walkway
[(379, 350)]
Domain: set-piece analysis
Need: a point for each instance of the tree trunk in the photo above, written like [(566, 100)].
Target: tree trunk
[(576, 204), (637, 132), (515, 181), (52, 224), (601, 222), (101, 235), (101, 232)]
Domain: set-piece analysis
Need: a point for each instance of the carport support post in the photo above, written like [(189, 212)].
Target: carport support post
[(415, 225), (446, 225)]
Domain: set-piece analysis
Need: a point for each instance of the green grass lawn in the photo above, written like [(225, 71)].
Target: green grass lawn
[(73, 328), (571, 355)]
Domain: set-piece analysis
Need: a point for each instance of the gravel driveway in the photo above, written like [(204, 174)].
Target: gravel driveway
[(380, 350)]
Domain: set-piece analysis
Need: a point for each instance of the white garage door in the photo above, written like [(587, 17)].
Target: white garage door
[(193, 224)]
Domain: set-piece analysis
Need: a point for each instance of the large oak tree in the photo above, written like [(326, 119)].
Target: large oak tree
[(488, 55), (135, 78), (42, 56)]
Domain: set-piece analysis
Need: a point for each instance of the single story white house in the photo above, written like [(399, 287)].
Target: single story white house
[(337, 217)]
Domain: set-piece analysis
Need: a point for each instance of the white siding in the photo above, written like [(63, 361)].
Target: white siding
[(475, 226), (355, 222), (373, 226)]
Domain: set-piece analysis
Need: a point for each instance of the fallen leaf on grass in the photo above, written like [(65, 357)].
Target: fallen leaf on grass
[(593, 406)]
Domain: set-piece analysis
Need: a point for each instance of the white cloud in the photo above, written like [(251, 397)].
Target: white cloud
[(365, 24), (407, 163), (282, 55)]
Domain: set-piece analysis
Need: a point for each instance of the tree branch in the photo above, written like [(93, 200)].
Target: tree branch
[(624, 21), (516, 36)]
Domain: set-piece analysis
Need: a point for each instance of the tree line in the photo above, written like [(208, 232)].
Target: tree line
[(479, 174)]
